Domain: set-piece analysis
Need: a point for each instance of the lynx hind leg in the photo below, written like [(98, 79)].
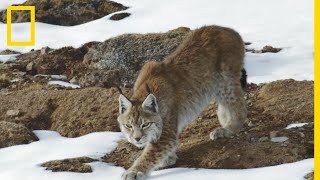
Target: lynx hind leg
[(232, 110)]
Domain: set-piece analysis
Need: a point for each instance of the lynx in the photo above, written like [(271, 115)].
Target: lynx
[(170, 94)]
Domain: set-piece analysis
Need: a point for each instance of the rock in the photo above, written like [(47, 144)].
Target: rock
[(270, 49), (265, 49), (4, 92), (294, 151), (30, 67), (279, 139), (16, 66), (65, 12), (301, 134), (13, 113), (8, 51), (311, 142), (4, 82), (119, 16), (250, 124), (74, 81), (45, 50), (273, 134), (72, 165), (309, 176), (14, 134), (19, 73), (263, 139), (119, 59)]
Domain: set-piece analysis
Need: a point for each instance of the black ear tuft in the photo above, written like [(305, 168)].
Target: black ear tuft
[(243, 79)]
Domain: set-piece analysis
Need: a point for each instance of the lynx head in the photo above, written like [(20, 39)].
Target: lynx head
[(140, 121)]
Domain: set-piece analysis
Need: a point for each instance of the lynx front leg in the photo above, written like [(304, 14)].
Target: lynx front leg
[(170, 160), (231, 109), (153, 156)]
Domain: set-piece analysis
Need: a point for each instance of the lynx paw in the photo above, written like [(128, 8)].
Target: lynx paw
[(133, 175), (170, 161), (220, 133)]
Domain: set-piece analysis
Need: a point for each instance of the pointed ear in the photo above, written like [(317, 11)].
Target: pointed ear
[(124, 104), (150, 104)]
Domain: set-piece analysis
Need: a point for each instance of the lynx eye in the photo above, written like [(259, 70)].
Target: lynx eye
[(146, 125), (128, 126)]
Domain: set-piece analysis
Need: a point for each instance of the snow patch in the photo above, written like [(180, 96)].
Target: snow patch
[(296, 125), (23, 162), (62, 77), (9, 57), (65, 84), (6, 3)]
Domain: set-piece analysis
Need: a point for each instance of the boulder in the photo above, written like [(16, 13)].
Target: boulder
[(118, 60), (14, 134)]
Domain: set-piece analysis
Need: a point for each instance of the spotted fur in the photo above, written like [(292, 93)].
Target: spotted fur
[(168, 95)]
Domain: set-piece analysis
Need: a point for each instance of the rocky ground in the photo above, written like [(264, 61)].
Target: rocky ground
[(28, 103), (67, 12)]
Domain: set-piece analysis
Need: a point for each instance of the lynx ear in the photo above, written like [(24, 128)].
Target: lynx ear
[(124, 104), (150, 104)]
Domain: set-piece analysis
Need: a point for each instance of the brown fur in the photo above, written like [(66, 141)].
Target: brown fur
[(206, 66)]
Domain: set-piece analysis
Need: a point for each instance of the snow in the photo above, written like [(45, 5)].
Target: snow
[(296, 125), (23, 162), (65, 84), (5, 3), (62, 77), (9, 57), (268, 22)]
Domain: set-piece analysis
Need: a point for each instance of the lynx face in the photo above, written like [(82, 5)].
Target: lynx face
[(140, 123)]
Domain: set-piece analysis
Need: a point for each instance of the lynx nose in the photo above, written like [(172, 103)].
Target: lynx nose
[(137, 139)]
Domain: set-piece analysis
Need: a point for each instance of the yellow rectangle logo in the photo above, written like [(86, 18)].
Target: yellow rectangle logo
[(32, 21)]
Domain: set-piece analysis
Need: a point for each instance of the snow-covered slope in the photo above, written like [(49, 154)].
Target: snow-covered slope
[(281, 23), (23, 162)]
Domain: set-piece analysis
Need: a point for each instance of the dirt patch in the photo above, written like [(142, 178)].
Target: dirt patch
[(65, 12), (288, 101), (72, 165), (14, 134), (86, 111), (70, 112), (246, 149)]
